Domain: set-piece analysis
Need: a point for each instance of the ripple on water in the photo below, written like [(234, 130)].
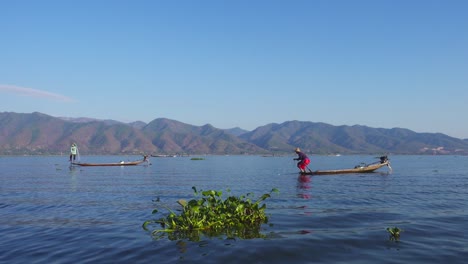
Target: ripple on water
[(49, 213)]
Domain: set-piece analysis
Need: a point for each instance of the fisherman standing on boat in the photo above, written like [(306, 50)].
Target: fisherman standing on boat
[(303, 160), (73, 151)]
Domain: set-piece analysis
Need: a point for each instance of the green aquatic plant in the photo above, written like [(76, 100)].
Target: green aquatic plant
[(394, 233), (212, 216)]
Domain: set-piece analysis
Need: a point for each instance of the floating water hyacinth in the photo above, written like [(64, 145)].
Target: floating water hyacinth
[(212, 216), (394, 233)]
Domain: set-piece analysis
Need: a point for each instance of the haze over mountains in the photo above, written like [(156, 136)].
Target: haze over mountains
[(39, 134)]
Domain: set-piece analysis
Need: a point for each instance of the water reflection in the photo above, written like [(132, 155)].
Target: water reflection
[(95, 216), (181, 246), (73, 169), (304, 186), (304, 191)]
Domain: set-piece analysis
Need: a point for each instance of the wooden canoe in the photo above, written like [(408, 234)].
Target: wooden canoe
[(122, 163), (358, 169)]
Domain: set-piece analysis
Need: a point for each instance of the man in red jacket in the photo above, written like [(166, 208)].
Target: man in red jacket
[(303, 160)]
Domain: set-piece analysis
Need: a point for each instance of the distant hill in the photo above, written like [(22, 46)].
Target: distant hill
[(236, 131), (323, 138), (171, 136), (38, 134), (137, 124), (88, 120)]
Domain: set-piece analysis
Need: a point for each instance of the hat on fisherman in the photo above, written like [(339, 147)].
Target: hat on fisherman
[(297, 150)]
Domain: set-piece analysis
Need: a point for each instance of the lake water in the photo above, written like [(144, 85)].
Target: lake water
[(51, 213)]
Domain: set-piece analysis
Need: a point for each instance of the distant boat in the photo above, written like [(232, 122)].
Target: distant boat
[(164, 156), (121, 163), (362, 168)]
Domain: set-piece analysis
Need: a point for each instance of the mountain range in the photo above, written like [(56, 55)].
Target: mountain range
[(40, 134)]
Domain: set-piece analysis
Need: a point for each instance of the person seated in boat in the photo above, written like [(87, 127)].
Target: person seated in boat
[(73, 151), (383, 159), (303, 160)]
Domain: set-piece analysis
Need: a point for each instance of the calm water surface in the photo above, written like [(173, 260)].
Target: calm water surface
[(50, 213)]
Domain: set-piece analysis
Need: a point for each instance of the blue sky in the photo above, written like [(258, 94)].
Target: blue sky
[(379, 63)]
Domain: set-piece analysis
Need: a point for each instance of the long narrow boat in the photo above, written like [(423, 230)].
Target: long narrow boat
[(362, 168), (121, 163)]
